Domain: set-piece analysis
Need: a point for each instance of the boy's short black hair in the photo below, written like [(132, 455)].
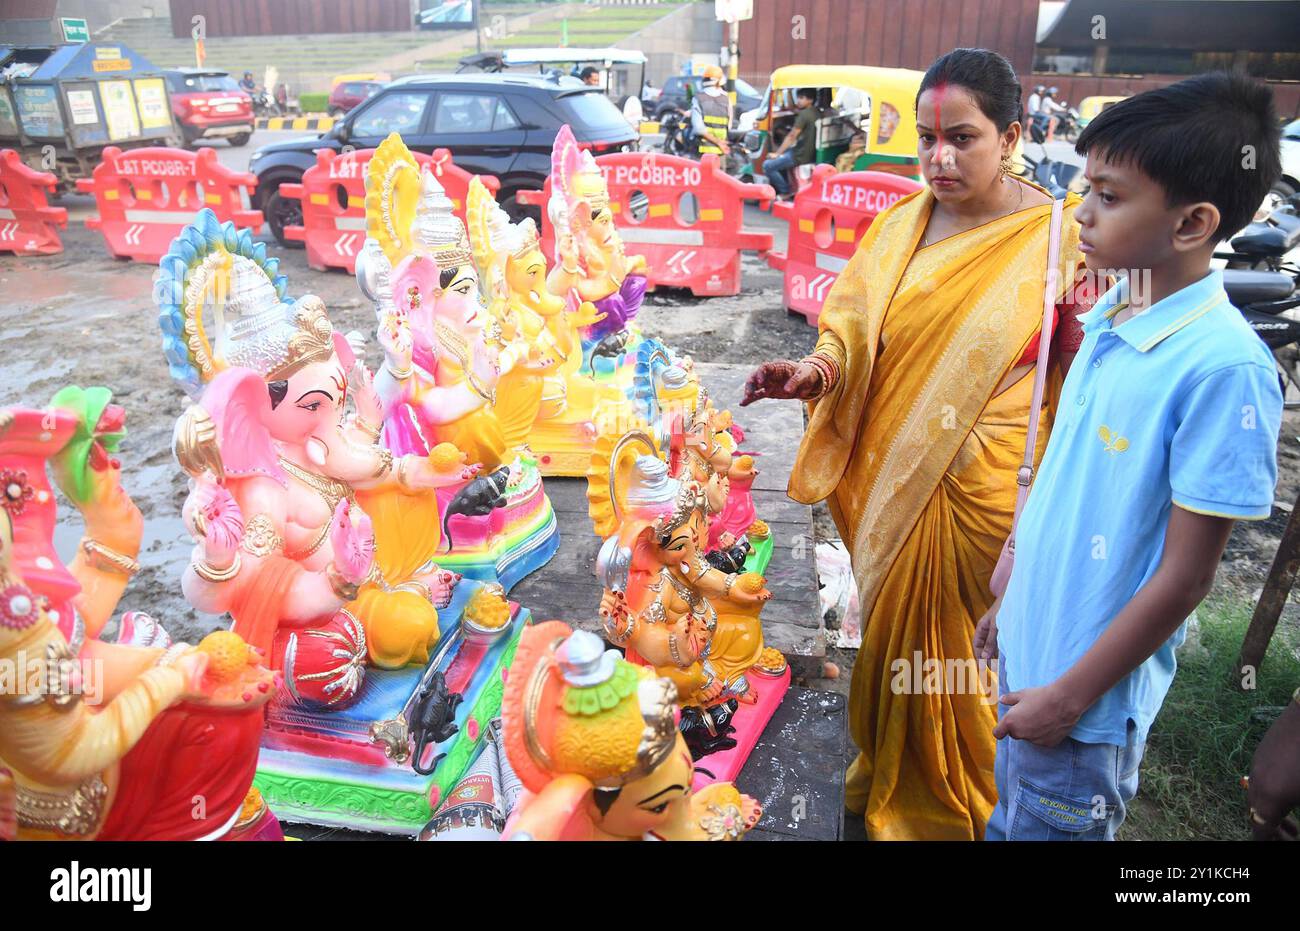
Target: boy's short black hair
[(808, 93), (1213, 137)]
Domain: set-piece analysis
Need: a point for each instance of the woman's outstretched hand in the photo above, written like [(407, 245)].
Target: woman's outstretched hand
[(783, 379)]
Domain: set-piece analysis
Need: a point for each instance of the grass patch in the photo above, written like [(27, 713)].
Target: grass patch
[(1205, 736)]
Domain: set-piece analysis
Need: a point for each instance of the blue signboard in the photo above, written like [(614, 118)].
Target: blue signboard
[(38, 110)]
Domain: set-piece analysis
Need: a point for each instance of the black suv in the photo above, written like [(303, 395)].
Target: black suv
[(494, 124), (674, 96)]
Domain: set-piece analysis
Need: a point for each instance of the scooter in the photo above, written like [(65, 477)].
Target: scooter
[(1054, 177), (1265, 287)]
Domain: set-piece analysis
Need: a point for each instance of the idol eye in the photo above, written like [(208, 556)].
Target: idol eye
[(658, 809), (312, 407)]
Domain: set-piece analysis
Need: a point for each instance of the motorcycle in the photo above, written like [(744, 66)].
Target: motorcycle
[(1265, 286), (675, 125), (265, 105), (1053, 176)]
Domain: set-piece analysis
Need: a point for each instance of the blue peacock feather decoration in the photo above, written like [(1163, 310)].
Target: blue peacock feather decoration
[(205, 236), (652, 356)]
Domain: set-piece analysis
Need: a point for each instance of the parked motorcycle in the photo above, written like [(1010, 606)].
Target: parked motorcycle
[(1053, 176), (1264, 285)]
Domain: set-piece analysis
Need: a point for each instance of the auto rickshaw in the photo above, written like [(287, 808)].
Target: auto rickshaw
[(878, 102), (1089, 107)]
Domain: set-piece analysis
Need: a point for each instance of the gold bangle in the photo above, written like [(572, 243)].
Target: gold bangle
[(402, 481), (108, 560), (341, 586), (212, 574), (385, 462), (731, 580), (416, 587), (672, 649), (401, 375)]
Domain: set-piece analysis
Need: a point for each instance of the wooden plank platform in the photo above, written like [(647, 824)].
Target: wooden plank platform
[(566, 588)]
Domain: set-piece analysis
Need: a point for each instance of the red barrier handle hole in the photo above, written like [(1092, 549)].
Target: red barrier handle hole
[(824, 229), (863, 226), (190, 196), (4, 195), (339, 202), (161, 194), (126, 193), (688, 209), (638, 206)]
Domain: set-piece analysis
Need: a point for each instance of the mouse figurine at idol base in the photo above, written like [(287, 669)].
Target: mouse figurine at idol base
[(594, 741), (108, 740)]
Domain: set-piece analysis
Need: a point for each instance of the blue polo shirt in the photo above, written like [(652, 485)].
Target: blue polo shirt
[(1177, 405)]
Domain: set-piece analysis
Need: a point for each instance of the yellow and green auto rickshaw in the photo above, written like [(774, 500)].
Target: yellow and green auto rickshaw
[(853, 99), (1089, 107)]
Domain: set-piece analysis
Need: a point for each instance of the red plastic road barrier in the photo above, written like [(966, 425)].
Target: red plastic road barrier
[(684, 216), (828, 219), (145, 196), (27, 222), (333, 195)]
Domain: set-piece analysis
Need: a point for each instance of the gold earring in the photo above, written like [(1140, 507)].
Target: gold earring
[(1005, 166)]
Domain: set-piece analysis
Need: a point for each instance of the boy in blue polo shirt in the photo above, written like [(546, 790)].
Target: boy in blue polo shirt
[(1166, 432)]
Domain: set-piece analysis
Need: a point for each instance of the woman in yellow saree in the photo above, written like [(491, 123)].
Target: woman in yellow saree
[(919, 392)]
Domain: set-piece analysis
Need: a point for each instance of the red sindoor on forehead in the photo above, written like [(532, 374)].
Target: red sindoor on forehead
[(940, 90)]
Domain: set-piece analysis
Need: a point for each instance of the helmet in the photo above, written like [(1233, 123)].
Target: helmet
[(1053, 91), (712, 74), (1038, 89)]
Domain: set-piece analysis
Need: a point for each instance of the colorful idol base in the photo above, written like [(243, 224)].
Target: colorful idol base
[(505, 545), (354, 767)]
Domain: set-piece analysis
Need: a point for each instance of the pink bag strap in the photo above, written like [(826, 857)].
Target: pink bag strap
[(1025, 474)]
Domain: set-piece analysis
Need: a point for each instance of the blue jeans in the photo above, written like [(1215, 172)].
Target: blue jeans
[(777, 170), (1073, 791)]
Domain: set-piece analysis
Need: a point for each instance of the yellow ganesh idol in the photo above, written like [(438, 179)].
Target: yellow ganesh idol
[(594, 741), (544, 330)]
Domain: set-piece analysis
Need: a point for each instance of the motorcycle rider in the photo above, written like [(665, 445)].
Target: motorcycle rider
[(711, 114), (1051, 107), (247, 84), (1034, 105)]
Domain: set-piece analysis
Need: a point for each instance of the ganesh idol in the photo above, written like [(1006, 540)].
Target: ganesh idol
[(700, 443), (454, 372), (594, 741), (590, 261), (695, 624), (315, 538), (545, 329), (445, 354), (108, 740)]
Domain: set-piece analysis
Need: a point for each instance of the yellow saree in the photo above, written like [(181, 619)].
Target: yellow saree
[(917, 459)]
